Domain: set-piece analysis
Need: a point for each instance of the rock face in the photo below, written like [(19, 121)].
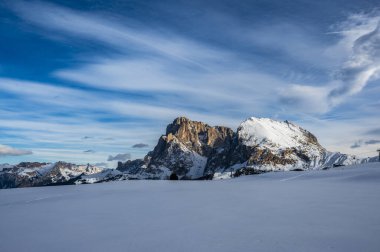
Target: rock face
[(194, 150), (187, 149)]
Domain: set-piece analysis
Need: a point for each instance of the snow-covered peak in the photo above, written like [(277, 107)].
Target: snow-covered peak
[(273, 134)]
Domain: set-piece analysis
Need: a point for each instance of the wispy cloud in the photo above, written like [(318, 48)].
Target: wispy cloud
[(9, 151), (80, 100), (125, 37), (174, 68), (363, 64), (360, 37)]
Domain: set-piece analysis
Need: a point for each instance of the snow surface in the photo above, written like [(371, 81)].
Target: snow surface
[(199, 164), (271, 133), (331, 210)]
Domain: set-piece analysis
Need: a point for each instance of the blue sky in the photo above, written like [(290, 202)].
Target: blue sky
[(91, 81)]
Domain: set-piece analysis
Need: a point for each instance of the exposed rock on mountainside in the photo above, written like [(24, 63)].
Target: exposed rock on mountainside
[(187, 148)]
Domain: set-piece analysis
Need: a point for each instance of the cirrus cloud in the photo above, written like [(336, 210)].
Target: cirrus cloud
[(360, 40)]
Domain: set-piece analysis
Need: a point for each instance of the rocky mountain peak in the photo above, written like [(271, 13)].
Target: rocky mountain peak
[(187, 148), (178, 123), (197, 135)]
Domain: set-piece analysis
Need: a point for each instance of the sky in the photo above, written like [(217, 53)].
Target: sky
[(98, 81)]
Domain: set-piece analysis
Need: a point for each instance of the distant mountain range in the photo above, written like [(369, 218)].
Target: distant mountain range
[(194, 150)]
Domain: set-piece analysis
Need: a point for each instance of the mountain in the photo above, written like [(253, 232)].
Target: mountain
[(195, 150), (28, 174)]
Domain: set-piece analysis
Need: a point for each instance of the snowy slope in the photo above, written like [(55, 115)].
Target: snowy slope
[(270, 133), (332, 210), (287, 145)]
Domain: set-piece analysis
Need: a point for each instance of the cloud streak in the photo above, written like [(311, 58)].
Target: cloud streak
[(9, 151), (364, 61), (140, 145), (79, 24)]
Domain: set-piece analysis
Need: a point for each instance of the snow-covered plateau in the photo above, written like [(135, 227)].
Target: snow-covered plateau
[(316, 210)]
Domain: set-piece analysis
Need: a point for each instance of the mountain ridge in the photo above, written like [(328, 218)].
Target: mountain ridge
[(195, 150)]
